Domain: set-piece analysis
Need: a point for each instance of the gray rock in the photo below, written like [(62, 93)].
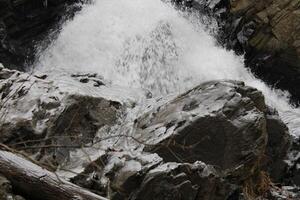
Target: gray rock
[(284, 193), (207, 143), (220, 123), (267, 33), (117, 174), (183, 181), (121, 175), (51, 114)]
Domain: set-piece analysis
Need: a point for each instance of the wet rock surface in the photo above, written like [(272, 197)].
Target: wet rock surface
[(279, 143), (36, 112), (24, 23), (229, 133), (145, 176), (218, 140), (229, 137)]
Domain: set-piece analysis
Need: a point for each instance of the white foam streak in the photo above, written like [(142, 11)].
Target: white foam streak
[(148, 44)]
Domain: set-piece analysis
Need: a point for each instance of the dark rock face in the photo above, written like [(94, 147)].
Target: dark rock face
[(229, 133), (183, 181), (6, 192), (123, 176), (237, 133), (279, 143), (25, 22), (272, 50), (268, 33)]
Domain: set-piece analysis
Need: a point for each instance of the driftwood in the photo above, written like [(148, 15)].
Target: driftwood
[(39, 183)]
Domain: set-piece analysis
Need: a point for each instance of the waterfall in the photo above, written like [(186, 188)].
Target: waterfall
[(148, 44)]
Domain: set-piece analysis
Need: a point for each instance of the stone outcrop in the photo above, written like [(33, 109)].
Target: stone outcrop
[(218, 140), (121, 175), (268, 33), (25, 22), (175, 181), (224, 124), (220, 123), (38, 112)]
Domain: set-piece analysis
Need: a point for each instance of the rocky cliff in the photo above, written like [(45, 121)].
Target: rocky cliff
[(268, 32)]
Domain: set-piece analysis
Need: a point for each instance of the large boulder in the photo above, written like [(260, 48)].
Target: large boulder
[(116, 173), (212, 142), (222, 123), (36, 112), (184, 181)]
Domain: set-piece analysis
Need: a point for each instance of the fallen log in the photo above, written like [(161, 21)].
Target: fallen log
[(39, 183)]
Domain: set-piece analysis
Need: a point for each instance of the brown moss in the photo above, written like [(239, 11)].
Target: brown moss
[(257, 186)]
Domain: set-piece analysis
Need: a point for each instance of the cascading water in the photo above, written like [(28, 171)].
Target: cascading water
[(148, 44)]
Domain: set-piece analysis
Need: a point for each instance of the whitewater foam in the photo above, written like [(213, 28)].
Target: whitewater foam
[(148, 44)]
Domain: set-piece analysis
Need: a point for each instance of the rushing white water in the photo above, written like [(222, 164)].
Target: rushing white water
[(148, 44)]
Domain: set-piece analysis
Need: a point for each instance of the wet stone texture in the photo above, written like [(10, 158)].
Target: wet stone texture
[(218, 140), (36, 112)]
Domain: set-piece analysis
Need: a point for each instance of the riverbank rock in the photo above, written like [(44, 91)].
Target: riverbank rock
[(184, 181), (222, 123), (25, 22), (218, 140), (279, 144), (121, 175), (36, 112)]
